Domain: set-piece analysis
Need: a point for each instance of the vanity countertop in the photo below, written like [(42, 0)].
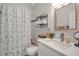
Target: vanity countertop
[(68, 51)]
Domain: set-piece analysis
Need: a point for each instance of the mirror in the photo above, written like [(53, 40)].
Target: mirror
[(66, 17)]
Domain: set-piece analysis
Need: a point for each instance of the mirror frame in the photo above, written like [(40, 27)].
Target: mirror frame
[(55, 26)]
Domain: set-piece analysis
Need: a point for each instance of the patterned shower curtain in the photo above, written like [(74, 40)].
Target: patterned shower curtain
[(15, 31)]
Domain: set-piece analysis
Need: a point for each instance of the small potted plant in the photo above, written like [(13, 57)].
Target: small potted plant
[(52, 35)]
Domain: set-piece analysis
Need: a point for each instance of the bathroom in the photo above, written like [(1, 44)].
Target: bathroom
[(26, 29)]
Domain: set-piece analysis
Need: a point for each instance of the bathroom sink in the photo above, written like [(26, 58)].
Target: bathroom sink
[(58, 44)]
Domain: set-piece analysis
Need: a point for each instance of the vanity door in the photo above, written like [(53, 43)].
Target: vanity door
[(46, 51)]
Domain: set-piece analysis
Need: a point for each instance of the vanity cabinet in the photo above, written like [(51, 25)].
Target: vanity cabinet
[(44, 50)]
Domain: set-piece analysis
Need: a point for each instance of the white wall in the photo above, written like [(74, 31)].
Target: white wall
[(45, 8), (42, 8), (51, 19)]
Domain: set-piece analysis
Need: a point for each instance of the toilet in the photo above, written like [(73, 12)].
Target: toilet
[(32, 51)]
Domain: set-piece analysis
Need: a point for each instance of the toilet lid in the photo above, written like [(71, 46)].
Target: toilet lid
[(32, 49)]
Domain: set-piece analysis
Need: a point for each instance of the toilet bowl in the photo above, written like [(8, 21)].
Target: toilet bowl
[(32, 51)]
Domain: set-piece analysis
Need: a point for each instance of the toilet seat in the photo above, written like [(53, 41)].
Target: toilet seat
[(31, 51)]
